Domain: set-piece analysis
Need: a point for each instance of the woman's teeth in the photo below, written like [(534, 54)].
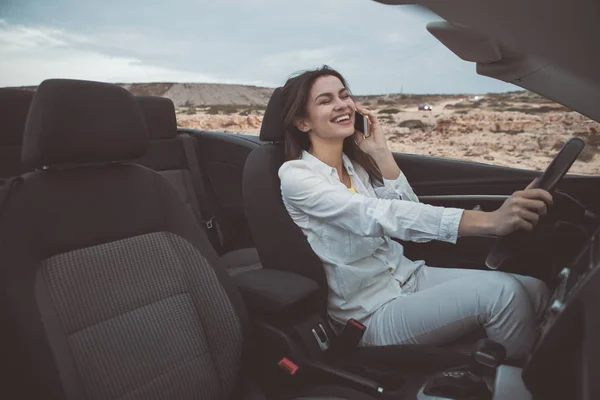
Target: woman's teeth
[(342, 118)]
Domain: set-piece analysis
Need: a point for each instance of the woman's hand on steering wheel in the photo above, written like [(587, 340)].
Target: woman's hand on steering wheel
[(522, 210)]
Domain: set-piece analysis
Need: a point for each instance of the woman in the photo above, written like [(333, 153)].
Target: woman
[(349, 197)]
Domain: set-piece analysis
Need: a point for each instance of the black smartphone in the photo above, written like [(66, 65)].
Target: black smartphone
[(361, 123)]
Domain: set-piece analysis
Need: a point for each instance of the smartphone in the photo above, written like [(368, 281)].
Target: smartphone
[(361, 123)]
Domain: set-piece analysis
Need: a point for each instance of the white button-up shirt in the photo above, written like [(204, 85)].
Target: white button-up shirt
[(351, 233)]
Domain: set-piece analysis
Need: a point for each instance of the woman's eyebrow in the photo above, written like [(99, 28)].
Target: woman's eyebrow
[(329, 94), (326, 94)]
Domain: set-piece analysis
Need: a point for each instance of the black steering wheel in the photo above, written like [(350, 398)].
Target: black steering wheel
[(516, 243)]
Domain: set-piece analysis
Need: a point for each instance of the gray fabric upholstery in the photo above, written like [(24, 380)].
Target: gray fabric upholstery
[(144, 318), (241, 260), (181, 181)]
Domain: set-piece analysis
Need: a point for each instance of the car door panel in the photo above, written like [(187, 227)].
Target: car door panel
[(223, 157)]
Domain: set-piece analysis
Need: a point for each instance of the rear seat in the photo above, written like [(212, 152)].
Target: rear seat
[(166, 155), (14, 105)]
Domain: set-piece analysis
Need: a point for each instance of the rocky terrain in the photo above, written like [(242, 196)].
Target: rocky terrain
[(516, 129)]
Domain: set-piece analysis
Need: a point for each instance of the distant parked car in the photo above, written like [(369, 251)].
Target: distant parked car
[(425, 107)]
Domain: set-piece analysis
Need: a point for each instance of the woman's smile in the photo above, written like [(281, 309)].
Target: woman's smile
[(343, 119)]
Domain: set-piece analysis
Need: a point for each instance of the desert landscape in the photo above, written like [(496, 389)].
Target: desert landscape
[(516, 129)]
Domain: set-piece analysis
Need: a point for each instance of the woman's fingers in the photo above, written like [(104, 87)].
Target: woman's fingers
[(521, 211), (360, 109), (540, 194), (532, 184), (530, 216), (536, 206), (358, 137), (528, 226)]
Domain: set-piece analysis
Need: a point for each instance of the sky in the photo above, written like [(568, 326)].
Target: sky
[(379, 49)]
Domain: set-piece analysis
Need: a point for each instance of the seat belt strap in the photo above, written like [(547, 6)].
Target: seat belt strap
[(207, 210)]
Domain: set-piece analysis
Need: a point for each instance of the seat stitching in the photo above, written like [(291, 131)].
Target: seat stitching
[(180, 264), (177, 365), (127, 312)]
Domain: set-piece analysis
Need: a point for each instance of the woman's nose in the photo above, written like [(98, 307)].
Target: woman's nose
[(340, 104)]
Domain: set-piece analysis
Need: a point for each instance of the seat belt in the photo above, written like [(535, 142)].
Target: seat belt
[(207, 210), (6, 189)]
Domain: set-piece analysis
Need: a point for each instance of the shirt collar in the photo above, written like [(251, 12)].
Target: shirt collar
[(326, 168)]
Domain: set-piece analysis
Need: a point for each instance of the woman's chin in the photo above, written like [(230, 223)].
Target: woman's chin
[(345, 131), (339, 132)]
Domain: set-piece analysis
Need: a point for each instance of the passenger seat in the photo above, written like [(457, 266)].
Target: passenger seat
[(109, 290), (166, 154), (14, 105)]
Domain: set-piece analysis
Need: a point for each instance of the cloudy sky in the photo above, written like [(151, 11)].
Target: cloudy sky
[(380, 49)]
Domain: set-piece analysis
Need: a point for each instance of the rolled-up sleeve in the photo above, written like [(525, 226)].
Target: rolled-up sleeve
[(404, 219)]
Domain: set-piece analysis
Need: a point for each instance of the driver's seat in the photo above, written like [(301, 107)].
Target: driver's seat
[(280, 243)]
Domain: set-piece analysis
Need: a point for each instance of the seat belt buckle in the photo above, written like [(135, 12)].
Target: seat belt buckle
[(351, 335), (321, 337)]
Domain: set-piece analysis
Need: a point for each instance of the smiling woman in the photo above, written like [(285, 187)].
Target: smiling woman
[(349, 197)]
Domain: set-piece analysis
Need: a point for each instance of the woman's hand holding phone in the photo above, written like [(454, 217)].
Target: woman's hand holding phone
[(373, 141), (375, 144)]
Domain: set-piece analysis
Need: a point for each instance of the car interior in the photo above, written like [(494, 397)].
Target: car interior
[(145, 261)]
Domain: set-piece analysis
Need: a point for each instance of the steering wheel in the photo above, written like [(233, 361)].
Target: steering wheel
[(516, 243)]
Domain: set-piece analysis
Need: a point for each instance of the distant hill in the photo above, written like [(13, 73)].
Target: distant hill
[(204, 94), (200, 94)]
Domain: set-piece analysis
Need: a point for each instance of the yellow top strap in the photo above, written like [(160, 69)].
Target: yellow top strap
[(351, 188)]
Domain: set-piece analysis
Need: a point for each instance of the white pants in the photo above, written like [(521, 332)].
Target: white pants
[(450, 303)]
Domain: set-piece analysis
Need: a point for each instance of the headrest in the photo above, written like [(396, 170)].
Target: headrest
[(14, 105), (159, 113), (72, 122), (272, 129)]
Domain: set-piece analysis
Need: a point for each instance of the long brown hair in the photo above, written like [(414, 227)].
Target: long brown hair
[(294, 99)]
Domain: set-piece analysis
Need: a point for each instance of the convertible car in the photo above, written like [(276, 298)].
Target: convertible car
[(143, 261)]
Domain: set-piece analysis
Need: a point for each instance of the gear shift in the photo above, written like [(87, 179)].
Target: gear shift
[(467, 383)]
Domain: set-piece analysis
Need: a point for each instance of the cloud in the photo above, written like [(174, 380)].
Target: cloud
[(18, 38), (31, 54)]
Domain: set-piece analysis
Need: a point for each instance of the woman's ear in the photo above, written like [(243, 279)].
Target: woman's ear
[(302, 125)]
